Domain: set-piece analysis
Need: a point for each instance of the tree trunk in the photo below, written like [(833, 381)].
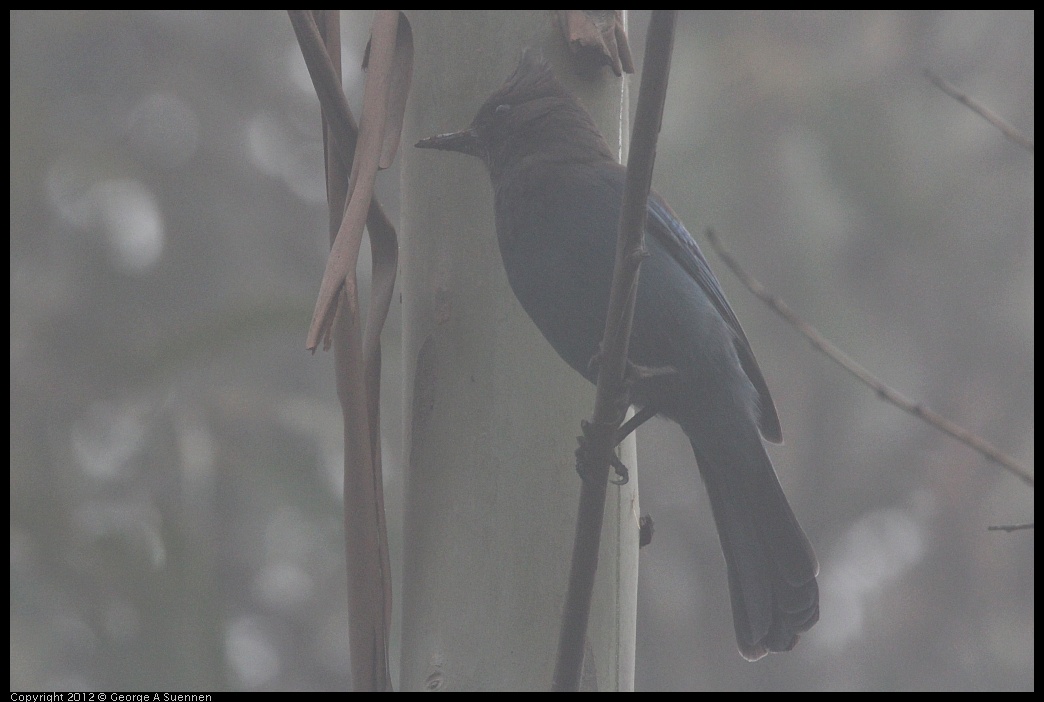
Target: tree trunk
[(492, 413)]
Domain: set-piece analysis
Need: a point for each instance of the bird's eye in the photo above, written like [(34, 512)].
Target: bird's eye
[(501, 109)]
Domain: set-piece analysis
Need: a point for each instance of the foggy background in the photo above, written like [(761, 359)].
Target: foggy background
[(176, 454)]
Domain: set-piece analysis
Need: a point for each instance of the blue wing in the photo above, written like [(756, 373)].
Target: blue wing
[(671, 233)]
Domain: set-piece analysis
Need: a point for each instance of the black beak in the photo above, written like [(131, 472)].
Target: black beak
[(465, 142)]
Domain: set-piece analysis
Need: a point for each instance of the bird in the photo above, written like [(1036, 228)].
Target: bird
[(557, 193)]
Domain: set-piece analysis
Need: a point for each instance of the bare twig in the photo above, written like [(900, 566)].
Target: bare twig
[(610, 399), (985, 112), (820, 342), (1010, 527)]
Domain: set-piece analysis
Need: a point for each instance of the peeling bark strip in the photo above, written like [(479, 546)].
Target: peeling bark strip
[(598, 36), (361, 151)]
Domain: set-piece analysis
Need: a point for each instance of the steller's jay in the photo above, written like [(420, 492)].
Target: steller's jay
[(557, 191)]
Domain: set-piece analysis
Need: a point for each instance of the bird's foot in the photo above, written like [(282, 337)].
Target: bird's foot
[(622, 475), (587, 465)]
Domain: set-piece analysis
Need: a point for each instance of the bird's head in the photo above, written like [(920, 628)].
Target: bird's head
[(532, 113)]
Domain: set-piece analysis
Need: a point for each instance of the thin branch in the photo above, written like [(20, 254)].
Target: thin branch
[(983, 111), (611, 396), (1010, 528), (833, 352)]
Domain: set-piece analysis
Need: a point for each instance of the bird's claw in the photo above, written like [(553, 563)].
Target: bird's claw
[(582, 462), (623, 476)]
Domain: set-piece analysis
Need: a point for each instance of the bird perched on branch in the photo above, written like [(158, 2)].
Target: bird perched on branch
[(557, 198)]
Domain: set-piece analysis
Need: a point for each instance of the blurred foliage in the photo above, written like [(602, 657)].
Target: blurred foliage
[(175, 454)]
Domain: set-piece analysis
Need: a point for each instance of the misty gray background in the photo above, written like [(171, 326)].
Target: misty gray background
[(176, 454)]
